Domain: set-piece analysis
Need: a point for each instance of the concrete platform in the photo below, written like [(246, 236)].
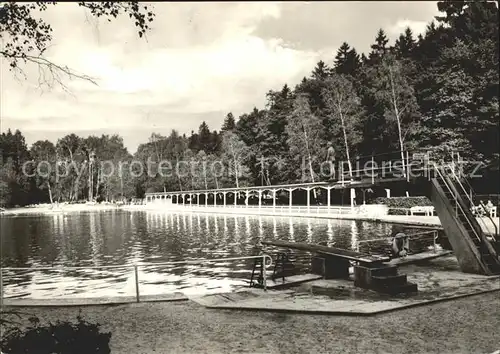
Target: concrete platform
[(438, 280), (419, 257), (93, 301), (291, 281)]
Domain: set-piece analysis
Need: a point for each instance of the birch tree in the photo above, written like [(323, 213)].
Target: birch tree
[(344, 107), (44, 156), (398, 97), (235, 153), (304, 131)]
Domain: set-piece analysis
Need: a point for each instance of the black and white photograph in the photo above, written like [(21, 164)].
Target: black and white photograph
[(249, 177)]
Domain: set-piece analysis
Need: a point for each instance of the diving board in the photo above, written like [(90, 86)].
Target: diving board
[(359, 257)]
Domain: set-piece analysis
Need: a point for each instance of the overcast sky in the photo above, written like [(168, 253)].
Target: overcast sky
[(200, 61)]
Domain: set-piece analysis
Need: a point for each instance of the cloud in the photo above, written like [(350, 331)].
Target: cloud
[(199, 61), (417, 27), (322, 25)]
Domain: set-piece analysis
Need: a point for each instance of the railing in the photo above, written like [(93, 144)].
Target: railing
[(457, 204), (396, 163), (286, 209), (392, 162), (469, 194), (278, 209), (135, 268), (432, 234)]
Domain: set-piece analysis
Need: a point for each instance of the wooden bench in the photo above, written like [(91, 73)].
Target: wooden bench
[(426, 210)]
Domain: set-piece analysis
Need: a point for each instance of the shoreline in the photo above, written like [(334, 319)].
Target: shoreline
[(48, 209)]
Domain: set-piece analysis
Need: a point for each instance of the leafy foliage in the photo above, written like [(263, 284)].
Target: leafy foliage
[(344, 114), (401, 203), (26, 36), (305, 139), (438, 91), (58, 338)]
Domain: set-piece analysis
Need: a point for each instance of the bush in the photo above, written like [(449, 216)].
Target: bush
[(81, 337), (402, 202)]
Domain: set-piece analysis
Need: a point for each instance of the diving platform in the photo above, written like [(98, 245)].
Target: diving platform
[(362, 173), (443, 182), (370, 271)]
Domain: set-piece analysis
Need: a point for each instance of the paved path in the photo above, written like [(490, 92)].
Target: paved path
[(438, 280)]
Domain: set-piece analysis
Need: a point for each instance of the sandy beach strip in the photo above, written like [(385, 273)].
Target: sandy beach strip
[(467, 325)]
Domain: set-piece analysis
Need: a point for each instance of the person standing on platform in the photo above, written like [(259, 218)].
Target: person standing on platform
[(330, 157)]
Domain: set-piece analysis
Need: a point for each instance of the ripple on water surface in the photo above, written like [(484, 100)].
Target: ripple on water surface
[(125, 238)]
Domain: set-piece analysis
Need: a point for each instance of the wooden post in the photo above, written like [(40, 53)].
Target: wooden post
[(308, 198), (264, 275), (373, 174), (328, 191), (136, 283), (1, 289)]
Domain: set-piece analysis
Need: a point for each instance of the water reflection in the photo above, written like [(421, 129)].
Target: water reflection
[(329, 233), (309, 231), (94, 239), (127, 238), (247, 226), (354, 235)]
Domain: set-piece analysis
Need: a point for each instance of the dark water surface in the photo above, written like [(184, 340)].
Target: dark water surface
[(126, 238)]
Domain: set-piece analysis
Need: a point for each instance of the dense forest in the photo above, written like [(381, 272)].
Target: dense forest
[(437, 91)]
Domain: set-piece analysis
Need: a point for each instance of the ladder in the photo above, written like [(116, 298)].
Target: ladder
[(283, 266), (461, 200), (257, 278)]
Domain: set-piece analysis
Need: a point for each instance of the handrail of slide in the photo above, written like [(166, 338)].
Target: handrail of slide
[(487, 212), (436, 168)]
